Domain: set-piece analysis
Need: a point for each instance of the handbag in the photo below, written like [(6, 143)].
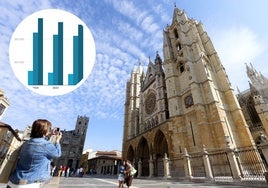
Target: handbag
[(133, 171), (10, 163)]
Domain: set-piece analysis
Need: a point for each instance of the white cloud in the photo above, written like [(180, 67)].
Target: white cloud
[(140, 17), (126, 8), (128, 30), (236, 46), (148, 25), (159, 10)]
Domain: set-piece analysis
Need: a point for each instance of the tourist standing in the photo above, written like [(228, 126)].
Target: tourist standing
[(121, 175), (127, 172), (33, 168)]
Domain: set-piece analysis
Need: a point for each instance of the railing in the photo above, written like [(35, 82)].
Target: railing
[(221, 168), (177, 168), (250, 163), (243, 165), (197, 165)]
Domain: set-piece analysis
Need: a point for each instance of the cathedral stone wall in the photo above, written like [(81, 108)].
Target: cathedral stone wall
[(185, 105)]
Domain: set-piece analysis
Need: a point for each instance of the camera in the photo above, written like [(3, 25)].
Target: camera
[(56, 131)]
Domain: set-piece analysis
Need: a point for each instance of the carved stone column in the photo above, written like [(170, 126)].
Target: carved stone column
[(232, 161), (139, 168), (187, 165), (151, 167), (206, 161), (166, 166)]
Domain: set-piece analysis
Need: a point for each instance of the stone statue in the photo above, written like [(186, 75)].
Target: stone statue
[(263, 138)]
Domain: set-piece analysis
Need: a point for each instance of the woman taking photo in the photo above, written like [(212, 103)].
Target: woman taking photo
[(33, 168)]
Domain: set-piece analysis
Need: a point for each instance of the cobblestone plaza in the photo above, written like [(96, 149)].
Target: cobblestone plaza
[(99, 181)]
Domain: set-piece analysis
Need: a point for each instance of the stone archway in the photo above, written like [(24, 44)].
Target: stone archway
[(70, 163), (130, 154), (143, 156), (160, 149)]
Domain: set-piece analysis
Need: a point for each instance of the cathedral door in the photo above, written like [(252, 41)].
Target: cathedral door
[(161, 148), (143, 153)]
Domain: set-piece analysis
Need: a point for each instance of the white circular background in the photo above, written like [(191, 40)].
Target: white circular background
[(21, 49)]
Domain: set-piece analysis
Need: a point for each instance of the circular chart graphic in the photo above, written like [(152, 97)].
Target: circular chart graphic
[(52, 52)]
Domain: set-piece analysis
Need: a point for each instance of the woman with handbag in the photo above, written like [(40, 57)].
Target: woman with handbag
[(128, 175)]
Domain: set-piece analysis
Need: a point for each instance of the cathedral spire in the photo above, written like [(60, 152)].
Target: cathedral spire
[(238, 90), (257, 79), (250, 70), (158, 59), (138, 69)]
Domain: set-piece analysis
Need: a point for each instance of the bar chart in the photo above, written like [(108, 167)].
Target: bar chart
[(52, 52)]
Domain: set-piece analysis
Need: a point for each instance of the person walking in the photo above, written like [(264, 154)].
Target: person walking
[(53, 168), (67, 172), (127, 172), (121, 175), (60, 170), (33, 168), (81, 172)]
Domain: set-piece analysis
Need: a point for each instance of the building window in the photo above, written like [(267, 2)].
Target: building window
[(181, 67), (8, 137), (179, 46), (188, 100), (176, 33), (2, 108)]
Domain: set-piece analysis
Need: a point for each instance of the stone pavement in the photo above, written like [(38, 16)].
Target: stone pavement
[(54, 182), (98, 181)]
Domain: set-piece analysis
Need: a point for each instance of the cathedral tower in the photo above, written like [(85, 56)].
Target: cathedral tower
[(201, 100), (133, 88)]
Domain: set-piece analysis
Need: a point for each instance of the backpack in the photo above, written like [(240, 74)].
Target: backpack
[(121, 169)]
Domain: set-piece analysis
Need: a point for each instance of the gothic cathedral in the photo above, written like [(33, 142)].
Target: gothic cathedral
[(254, 104), (181, 104)]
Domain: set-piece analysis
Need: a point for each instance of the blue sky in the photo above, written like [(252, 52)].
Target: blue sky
[(126, 32)]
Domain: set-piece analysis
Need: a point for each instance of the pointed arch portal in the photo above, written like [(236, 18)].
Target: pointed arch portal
[(130, 154), (143, 156), (160, 149)]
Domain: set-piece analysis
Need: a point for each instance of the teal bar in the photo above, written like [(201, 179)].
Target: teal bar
[(71, 79), (75, 59), (80, 53), (30, 78), (78, 56), (35, 59), (50, 79), (60, 53), (35, 77), (40, 51), (56, 77)]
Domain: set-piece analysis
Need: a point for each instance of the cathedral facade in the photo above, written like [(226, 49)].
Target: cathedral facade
[(254, 104), (181, 104)]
